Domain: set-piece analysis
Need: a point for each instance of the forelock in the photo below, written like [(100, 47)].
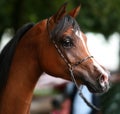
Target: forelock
[(65, 23)]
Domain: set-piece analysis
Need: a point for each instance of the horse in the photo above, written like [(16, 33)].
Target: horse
[(55, 45)]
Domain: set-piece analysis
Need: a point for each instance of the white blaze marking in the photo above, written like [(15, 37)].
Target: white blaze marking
[(100, 68), (79, 34)]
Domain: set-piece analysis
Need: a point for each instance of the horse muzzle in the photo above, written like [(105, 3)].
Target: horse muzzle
[(97, 88), (101, 85)]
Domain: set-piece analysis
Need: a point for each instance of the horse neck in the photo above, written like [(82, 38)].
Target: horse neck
[(23, 76)]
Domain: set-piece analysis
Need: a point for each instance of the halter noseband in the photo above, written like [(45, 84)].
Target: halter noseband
[(70, 68)]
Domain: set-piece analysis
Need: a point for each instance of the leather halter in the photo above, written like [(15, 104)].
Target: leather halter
[(70, 68)]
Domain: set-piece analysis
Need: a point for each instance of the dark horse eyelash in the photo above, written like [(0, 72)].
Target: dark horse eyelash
[(63, 38)]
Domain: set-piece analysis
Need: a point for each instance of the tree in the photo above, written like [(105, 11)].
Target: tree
[(101, 16)]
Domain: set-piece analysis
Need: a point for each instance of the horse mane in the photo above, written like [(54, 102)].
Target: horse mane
[(8, 52)]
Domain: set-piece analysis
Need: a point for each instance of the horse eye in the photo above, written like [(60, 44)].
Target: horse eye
[(67, 43)]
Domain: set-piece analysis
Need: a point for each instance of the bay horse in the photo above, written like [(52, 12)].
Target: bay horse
[(56, 46)]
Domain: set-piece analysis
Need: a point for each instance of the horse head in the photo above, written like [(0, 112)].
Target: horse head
[(68, 51)]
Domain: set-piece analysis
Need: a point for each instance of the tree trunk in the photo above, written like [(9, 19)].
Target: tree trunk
[(17, 13), (119, 54)]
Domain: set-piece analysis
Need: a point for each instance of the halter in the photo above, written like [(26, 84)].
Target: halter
[(71, 68)]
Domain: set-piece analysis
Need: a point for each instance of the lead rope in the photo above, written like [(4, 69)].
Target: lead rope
[(71, 73)]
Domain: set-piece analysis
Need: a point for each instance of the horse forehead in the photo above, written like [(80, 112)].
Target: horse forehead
[(80, 35)]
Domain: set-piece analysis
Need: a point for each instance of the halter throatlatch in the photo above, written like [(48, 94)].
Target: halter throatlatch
[(70, 68)]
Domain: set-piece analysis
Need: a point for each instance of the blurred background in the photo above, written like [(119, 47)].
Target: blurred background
[(99, 20)]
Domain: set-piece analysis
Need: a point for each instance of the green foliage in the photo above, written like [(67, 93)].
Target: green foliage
[(111, 100), (95, 16), (100, 16)]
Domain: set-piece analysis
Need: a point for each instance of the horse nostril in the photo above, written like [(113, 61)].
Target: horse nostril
[(102, 80)]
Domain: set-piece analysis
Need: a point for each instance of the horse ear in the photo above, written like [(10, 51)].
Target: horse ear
[(53, 20), (61, 13), (75, 12)]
